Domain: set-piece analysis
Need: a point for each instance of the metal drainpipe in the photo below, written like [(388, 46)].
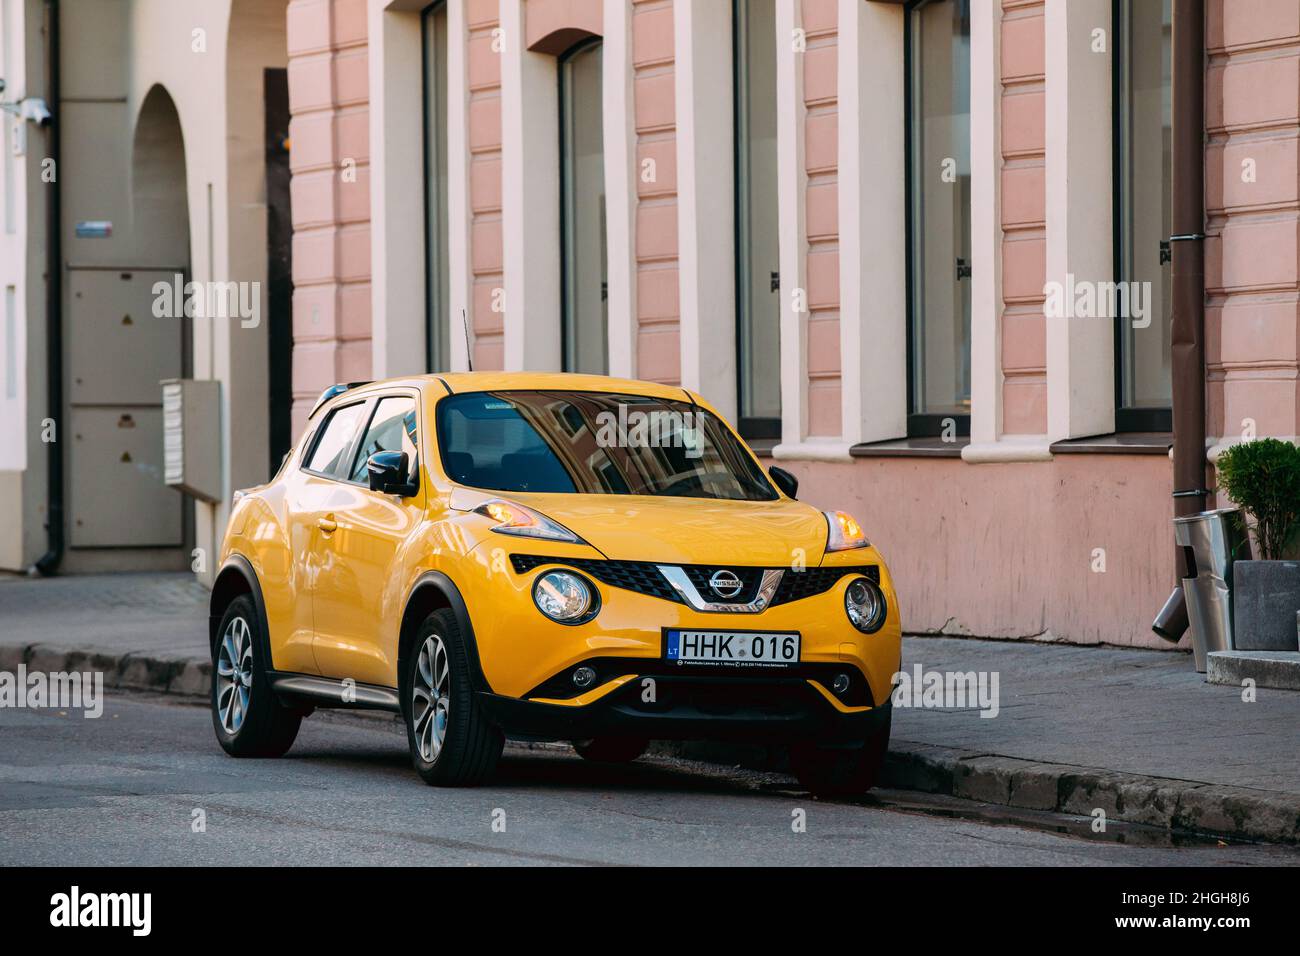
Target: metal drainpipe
[(49, 562), (1188, 278)]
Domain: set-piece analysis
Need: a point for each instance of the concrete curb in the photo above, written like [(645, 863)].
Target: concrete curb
[(1233, 812), (183, 676), (1279, 670), (1218, 810)]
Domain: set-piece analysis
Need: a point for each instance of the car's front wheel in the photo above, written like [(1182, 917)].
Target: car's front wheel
[(829, 771), (453, 744), (248, 718)]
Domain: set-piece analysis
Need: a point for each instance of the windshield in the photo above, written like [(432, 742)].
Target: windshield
[(594, 443)]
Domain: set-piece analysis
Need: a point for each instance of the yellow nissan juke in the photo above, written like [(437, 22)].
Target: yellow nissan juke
[(549, 557)]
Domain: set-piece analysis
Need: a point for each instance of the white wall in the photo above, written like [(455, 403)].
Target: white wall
[(15, 185)]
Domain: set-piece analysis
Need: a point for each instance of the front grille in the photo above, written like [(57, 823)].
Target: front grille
[(644, 577), (640, 576), (797, 585), (750, 579)]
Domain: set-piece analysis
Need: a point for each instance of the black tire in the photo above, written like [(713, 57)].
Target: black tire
[(611, 749), (829, 771), (471, 745), (265, 728)]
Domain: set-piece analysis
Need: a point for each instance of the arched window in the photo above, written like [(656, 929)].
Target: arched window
[(939, 234), (582, 211), (758, 307), (1143, 164), (436, 269)]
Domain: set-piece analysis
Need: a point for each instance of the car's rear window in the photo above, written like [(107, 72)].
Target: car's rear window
[(593, 443)]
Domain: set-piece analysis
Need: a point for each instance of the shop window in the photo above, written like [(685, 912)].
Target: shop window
[(1142, 186), (582, 212), (939, 234), (437, 286), (758, 297)]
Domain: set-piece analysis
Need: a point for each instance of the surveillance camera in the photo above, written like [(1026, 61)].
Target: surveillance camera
[(34, 109), (2, 84)]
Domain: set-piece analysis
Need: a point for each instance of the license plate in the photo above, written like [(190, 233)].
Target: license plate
[(732, 648)]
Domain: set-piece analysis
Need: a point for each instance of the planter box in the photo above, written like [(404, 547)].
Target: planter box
[(1266, 597)]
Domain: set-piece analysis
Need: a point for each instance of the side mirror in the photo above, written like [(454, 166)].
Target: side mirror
[(787, 482), (388, 471)]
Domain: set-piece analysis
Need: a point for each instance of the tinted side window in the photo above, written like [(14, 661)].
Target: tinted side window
[(391, 429), (327, 457)]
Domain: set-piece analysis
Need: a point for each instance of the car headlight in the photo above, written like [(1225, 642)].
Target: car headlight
[(865, 605), (565, 597), (514, 518), (843, 532)]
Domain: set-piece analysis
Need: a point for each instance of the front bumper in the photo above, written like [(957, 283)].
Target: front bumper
[(524, 656), (692, 707)]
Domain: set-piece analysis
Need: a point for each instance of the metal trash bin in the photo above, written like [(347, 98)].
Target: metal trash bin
[(1211, 542)]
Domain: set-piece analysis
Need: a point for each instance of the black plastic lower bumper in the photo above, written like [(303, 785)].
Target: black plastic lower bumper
[(692, 708)]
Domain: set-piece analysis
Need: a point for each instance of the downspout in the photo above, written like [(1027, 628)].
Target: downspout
[(49, 562), (1187, 241)]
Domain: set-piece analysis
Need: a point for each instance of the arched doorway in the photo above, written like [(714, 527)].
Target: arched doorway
[(159, 204)]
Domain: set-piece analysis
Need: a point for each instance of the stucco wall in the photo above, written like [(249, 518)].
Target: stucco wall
[(1252, 198), (1024, 215), (1009, 550), (657, 276), (998, 549), (330, 192), (482, 18), (821, 101)]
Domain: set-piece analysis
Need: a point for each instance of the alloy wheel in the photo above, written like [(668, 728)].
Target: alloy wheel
[(431, 701), (234, 675)]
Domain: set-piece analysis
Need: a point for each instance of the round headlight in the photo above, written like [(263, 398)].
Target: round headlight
[(865, 605), (564, 596)]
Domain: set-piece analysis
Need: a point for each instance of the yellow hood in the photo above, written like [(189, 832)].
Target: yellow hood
[(689, 530)]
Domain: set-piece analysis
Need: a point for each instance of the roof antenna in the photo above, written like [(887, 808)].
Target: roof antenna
[(469, 351)]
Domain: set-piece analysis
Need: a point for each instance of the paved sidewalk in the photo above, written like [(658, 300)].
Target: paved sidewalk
[(1131, 711), (165, 615), (1137, 733)]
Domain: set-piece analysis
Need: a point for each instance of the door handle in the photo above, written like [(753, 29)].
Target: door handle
[(327, 524)]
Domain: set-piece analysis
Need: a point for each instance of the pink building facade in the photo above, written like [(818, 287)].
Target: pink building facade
[(851, 224)]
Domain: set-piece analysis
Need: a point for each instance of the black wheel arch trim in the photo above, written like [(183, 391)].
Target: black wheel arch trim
[(238, 564), (447, 588)]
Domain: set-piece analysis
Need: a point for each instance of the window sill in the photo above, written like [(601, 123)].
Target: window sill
[(762, 447), (1120, 443), (934, 447)]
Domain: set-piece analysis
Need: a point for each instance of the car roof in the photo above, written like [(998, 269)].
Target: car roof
[(458, 382)]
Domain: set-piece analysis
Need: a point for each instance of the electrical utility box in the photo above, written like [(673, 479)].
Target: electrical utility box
[(191, 411)]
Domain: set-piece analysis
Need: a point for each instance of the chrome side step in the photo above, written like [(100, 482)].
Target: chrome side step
[(329, 692)]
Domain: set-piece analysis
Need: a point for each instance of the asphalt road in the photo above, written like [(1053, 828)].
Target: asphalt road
[(124, 790)]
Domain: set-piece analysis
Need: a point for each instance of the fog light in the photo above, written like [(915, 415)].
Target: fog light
[(841, 684), (584, 677)]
